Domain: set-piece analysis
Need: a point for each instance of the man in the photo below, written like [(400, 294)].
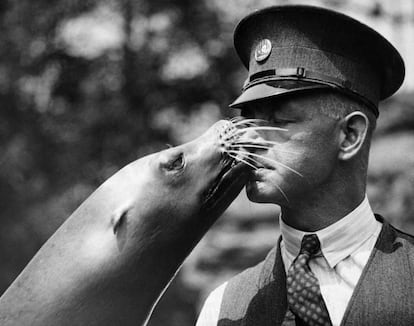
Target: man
[(319, 75)]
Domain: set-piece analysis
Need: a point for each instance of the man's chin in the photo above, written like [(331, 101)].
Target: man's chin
[(257, 192)]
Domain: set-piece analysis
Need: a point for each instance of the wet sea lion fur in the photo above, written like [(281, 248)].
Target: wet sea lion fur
[(111, 260)]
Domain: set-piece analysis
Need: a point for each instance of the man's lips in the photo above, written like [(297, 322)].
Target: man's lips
[(259, 174)]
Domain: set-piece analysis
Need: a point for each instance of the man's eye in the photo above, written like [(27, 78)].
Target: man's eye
[(246, 113)]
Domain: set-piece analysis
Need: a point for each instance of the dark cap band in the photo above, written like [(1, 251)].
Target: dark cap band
[(301, 74)]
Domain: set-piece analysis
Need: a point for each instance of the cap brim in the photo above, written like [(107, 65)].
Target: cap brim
[(265, 91)]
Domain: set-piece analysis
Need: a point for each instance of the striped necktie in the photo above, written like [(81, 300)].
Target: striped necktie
[(303, 291)]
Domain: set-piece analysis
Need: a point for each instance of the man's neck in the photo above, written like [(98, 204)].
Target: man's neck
[(315, 214)]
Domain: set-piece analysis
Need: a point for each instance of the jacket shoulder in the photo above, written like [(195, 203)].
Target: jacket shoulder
[(242, 288), (409, 238), (404, 244)]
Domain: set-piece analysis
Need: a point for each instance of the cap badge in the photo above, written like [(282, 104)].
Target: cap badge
[(263, 50)]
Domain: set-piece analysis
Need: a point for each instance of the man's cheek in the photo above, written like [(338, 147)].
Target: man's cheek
[(300, 136)]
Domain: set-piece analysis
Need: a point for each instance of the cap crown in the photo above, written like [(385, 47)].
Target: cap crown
[(330, 47)]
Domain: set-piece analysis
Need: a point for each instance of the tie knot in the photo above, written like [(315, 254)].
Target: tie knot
[(310, 244)]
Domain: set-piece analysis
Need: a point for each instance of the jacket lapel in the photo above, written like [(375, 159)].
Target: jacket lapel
[(379, 298), (273, 285)]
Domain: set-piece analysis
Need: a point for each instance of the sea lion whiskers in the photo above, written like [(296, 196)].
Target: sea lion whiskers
[(242, 160), (248, 122), (260, 128), (244, 144), (269, 159), (234, 119), (237, 146), (227, 132), (230, 132), (231, 136), (242, 157), (281, 191), (261, 142), (238, 119), (245, 156)]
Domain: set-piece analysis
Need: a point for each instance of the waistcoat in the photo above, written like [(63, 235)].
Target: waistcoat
[(384, 294)]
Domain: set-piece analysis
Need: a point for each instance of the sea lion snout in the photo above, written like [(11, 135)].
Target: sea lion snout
[(216, 142), (205, 153)]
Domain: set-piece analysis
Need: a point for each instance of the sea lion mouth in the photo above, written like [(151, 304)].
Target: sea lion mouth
[(224, 183)]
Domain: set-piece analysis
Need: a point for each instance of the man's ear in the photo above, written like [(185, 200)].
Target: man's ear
[(354, 128)]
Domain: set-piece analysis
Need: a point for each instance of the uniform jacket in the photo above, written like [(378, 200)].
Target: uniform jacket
[(384, 294)]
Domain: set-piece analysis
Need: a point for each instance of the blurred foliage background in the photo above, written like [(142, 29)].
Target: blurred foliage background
[(87, 86)]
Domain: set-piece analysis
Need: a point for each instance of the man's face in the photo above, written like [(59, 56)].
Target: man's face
[(302, 159)]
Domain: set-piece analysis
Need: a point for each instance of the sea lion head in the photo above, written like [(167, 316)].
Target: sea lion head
[(190, 184), (198, 177)]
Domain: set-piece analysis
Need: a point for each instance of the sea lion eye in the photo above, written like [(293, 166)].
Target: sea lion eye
[(177, 163)]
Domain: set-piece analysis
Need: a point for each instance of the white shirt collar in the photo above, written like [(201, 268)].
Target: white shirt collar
[(338, 240)]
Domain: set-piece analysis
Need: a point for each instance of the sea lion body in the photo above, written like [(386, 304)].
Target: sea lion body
[(109, 263)]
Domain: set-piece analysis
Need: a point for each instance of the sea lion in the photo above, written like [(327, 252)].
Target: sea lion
[(111, 260)]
